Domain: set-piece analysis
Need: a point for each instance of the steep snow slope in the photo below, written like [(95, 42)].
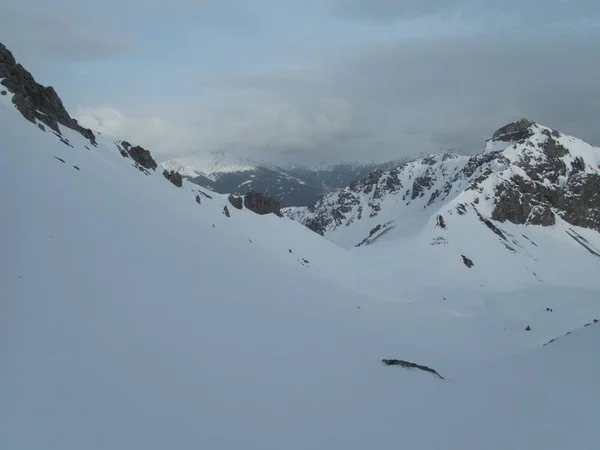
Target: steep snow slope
[(129, 321)]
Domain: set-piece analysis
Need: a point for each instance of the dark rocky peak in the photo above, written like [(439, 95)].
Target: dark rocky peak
[(514, 131), (261, 204), (34, 101)]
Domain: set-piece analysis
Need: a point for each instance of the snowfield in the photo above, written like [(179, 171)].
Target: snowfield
[(133, 317)]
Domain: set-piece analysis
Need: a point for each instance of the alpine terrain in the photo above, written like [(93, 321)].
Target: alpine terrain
[(226, 173), (142, 311)]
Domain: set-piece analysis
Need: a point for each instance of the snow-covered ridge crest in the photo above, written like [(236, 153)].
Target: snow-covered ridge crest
[(216, 162), (527, 174)]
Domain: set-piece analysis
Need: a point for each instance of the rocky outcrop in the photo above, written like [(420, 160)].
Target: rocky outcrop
[(139, 154), (261, 204), (420, 185), (226, 211), (34, 101), (523, 201), (173, 177), (410, 365), (236, 202), (515, 131), (467, 262)]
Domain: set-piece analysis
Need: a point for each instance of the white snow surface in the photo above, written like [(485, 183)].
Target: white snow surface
[(129, 321), (210, 165)]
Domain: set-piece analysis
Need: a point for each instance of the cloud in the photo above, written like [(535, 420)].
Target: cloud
[(419, 96), (383, 101), (162, 136), (60, 31), (530, 11)]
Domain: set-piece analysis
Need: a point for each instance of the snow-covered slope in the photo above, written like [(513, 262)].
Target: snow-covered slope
[(135, 317)]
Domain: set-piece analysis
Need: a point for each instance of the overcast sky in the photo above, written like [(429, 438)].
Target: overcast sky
[(311, 81)]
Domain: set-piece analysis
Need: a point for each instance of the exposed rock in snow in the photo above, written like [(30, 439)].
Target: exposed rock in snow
[(261, 204), (236, 202), (34, 101), (173, 177), (409, 365)]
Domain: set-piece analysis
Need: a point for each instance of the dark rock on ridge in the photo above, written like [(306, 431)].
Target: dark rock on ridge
[(236, 202), (261, 204), (173, 177), (34, 101)]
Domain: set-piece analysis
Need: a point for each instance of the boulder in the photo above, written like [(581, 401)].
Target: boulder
[(226, 211)]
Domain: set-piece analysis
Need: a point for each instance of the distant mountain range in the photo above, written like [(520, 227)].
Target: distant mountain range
[(226, 173)]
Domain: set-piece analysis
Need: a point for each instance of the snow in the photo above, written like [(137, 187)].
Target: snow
[(129, 321), (211, 165)]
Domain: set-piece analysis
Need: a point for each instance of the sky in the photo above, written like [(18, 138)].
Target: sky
[(313, 81)]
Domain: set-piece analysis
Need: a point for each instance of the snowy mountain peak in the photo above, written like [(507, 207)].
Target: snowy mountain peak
[(527, 174), (211, 165)]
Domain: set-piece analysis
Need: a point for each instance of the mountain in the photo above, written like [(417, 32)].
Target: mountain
[(140, 314), (337, 176), (528, 174), (226, 173)]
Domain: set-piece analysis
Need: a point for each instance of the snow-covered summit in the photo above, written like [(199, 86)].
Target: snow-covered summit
[(527, 174), (211, 165)]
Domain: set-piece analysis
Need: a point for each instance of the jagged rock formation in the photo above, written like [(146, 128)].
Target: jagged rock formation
[(173, 177), (139, 154), (261, 204), (226, 211), (527, 174), (236, 202), (514, 131), (35, 102)]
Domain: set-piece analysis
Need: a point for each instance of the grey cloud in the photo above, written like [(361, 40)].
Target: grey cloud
[(57, 32), (531, 11), (409, 98)]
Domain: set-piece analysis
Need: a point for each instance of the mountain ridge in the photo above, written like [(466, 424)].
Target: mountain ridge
[(527, 174), (226, 173)]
